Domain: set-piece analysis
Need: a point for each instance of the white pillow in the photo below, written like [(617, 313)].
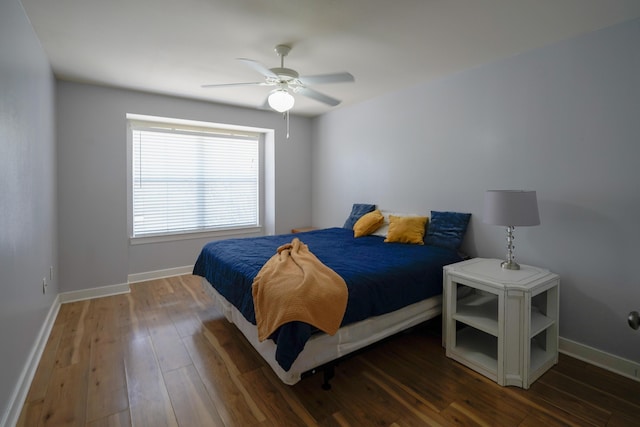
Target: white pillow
[(384, 228)]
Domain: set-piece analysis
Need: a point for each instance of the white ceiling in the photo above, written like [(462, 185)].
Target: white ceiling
[(174, 46)]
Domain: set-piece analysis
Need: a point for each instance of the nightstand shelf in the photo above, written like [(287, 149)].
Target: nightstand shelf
[(480, 351), (479, 311), (540, 358), (501, 323), (539, 322)]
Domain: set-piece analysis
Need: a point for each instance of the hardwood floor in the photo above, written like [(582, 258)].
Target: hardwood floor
[(163, 356)]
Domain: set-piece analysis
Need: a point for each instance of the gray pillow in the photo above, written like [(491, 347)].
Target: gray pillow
[(357, 211)]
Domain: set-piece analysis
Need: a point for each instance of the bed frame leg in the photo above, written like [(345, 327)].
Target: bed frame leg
[(329, 372)]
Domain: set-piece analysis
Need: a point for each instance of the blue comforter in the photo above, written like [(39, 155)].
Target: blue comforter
[(381, 277)]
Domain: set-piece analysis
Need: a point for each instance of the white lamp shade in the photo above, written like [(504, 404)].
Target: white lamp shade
[(511, 208), (281, 100)]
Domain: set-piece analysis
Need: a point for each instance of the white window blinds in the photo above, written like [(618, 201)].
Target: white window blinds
[(188, 179)]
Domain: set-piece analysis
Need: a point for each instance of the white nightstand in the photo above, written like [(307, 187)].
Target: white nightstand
[(501, 323)]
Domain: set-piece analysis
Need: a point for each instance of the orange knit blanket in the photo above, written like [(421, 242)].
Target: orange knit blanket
[(294, 285)]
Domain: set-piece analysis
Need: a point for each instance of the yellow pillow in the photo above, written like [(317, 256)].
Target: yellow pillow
[(368, 223), (406, 229)]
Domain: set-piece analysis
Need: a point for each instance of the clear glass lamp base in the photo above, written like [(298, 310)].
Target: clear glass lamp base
[(510, 263)]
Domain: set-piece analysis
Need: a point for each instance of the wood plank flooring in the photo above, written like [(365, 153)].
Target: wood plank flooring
[(163, 356)]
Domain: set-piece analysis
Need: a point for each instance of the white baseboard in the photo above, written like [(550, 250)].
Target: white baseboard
[(123, 288), (159, 274), (604, 360), (102, 291), (19, 395)]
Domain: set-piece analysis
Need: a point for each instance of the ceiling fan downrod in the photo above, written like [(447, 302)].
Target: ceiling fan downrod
[(282, 50)]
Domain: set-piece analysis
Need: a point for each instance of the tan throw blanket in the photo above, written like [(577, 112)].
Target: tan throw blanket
[(294, 285)]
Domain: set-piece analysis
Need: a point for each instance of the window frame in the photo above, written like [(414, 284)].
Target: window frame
[(182, 123)]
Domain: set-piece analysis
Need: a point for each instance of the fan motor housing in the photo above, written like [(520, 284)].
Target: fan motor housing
[(285, 74)]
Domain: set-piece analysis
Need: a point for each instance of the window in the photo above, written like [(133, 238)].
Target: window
[(189, 179)]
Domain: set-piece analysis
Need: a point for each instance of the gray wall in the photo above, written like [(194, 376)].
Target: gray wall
[(563, 120), (92, 178), (28, 245)]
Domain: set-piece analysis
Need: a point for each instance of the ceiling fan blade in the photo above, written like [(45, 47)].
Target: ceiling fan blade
[(313, 94), (238, 84), (259, 67), (326, 78)]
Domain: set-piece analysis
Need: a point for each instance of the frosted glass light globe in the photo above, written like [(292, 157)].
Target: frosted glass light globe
[(281, 100)]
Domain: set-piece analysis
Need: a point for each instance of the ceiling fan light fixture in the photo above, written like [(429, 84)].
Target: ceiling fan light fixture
[(287, 81), (281, 100)]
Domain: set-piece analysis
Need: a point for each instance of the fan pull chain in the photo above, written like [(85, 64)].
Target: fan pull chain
[(287, 113)]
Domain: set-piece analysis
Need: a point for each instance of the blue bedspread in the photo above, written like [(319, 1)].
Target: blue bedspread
[(381, 277)]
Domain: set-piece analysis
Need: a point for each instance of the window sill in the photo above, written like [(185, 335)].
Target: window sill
[(190, 236)]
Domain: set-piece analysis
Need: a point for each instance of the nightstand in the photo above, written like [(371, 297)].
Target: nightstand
[(302, 229), (501, 323)]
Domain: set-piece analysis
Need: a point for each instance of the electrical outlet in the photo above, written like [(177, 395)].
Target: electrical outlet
[(44, 285)]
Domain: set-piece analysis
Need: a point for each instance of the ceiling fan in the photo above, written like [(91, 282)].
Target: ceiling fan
[(287, 81)]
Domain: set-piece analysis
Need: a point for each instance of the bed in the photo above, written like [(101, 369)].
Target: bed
[(391, 287)]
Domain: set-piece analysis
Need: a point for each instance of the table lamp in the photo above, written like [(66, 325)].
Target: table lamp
[(511, 208)]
